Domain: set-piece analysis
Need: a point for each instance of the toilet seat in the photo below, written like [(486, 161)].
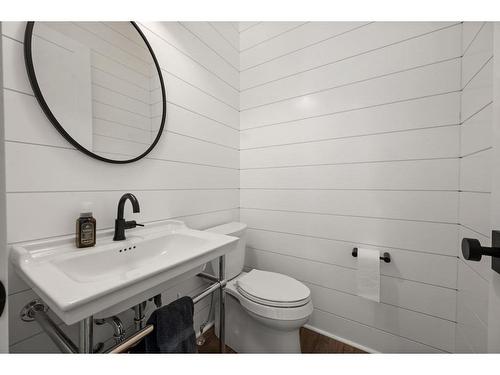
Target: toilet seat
[(265, 302), (295, 310), (273, 289)]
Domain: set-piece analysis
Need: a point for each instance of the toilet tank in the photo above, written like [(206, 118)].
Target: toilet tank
[(235, 260)]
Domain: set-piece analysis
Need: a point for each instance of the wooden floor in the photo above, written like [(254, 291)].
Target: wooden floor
[(211, 344), (310, 342)]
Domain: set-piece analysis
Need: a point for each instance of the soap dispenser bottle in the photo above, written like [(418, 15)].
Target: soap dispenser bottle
[(85, 227)]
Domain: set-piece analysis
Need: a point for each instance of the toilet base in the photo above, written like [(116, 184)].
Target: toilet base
[(245, 334)]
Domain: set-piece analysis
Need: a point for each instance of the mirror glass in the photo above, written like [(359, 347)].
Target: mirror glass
[(99, 84)]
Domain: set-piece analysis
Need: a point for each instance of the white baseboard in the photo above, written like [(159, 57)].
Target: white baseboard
[(317, 330)]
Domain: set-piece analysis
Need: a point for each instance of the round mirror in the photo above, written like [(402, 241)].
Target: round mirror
[(100, 85)]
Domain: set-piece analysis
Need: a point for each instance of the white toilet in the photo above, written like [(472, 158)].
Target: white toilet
[(264, 310)]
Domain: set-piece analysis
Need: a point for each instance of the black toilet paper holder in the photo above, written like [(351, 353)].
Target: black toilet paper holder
[(386, 257)]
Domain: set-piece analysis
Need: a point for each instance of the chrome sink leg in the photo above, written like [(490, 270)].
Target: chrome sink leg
[(222, 297), (36, 310), (86, 335)]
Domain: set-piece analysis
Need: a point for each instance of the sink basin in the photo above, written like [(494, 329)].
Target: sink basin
[(115, 275), (123, 259)]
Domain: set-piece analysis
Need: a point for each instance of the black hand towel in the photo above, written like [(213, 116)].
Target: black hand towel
[(173, 329)]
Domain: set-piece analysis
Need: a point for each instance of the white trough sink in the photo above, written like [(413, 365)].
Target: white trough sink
[(115, 275)]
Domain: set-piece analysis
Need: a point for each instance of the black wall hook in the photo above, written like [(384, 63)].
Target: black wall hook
[(472, 250), (3, 297), (386, 256)]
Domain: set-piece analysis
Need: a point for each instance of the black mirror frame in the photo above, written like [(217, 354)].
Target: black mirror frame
[(28, 60)]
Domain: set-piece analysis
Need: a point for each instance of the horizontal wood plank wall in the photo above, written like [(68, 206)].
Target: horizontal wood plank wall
[(350, 136), (192, 175), (475, 184)]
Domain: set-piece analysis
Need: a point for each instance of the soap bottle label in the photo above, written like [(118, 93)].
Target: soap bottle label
[(85, 232), (87, 236)]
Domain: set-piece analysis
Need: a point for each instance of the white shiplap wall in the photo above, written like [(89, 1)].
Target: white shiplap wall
[(192, 174), (475, 184), (350, 136)]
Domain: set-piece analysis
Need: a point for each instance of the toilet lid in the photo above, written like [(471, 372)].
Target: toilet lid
[(273, 289)]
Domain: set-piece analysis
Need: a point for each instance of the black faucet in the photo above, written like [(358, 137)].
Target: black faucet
[(120, 223)]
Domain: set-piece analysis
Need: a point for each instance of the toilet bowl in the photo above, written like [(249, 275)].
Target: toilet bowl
[(264, 310)]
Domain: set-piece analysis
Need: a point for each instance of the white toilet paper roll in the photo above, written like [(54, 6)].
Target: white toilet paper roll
[(368, 274)]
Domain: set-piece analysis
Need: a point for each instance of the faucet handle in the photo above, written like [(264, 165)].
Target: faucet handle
[(132, 224)]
